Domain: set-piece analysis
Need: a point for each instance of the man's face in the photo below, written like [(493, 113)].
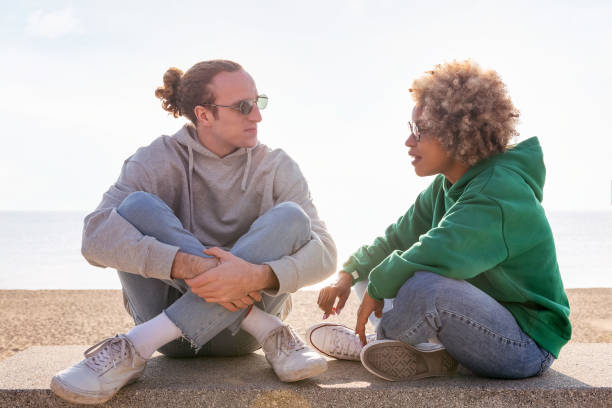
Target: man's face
[(231, 129)]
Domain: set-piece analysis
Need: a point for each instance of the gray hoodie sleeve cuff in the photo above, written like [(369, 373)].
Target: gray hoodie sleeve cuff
[(286, 272), (158, 262)]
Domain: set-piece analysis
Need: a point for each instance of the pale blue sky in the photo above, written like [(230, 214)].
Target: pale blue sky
[(78, 80)]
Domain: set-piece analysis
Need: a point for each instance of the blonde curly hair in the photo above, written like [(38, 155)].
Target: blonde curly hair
[(467, 109)]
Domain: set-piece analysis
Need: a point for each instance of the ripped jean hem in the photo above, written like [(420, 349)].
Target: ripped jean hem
[(206, 333)]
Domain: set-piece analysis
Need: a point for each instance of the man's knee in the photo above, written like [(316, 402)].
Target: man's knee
[(292, 216), (136, 204)]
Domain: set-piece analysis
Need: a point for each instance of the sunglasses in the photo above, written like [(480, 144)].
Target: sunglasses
[(245, 106)]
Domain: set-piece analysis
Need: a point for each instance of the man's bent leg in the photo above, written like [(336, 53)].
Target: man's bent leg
[(120, 360), (279, 232), (474, 328), (199, 320)]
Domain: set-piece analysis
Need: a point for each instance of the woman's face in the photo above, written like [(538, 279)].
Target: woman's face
[(429, 156)]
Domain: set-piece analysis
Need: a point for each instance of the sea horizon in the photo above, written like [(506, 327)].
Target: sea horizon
[(41, 250)]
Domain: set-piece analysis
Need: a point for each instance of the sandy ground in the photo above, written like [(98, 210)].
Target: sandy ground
[(62, 317)]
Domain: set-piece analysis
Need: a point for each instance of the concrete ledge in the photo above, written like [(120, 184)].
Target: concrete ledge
[(582, 377)]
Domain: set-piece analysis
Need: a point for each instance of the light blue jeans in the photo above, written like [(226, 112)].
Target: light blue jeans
[(476, 330), (208, 328)]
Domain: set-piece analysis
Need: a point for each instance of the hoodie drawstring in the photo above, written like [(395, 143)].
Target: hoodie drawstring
[(190, 188), (246, 171)]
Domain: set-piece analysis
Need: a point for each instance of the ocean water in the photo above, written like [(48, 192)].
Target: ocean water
[(41, 250)]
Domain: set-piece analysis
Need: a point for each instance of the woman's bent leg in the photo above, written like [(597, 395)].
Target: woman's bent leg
[(474, 328)]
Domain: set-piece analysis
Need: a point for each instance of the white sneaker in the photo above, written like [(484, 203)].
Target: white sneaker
[(335, 340), (108, 366), (291, 359), (398, 361)]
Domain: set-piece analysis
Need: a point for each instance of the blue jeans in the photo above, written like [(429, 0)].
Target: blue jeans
[(208, 328), (476, 330)]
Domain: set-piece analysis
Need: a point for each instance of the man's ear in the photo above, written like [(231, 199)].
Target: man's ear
[(203, 115)]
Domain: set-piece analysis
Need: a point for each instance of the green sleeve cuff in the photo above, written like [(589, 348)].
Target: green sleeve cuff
[(373, 293), (350, 267)]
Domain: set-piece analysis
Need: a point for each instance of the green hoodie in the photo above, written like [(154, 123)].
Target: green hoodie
[(489, 229)]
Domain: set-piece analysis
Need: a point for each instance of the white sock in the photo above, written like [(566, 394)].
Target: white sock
[(259, 324), (151, 335)]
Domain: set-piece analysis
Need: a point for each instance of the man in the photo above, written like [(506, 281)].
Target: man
[(210, 231)]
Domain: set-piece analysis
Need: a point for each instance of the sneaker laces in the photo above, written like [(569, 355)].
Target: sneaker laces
[(288, 341), (111, 350), (347, 343)]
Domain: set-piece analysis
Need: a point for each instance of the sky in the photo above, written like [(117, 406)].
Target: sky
[(78, 79)]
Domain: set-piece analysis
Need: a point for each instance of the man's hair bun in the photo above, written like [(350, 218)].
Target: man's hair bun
[(169, 93)]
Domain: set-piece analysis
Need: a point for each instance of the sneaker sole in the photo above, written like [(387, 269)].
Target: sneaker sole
[(63, 391), (399, 361), (304, 373), (318, 326)]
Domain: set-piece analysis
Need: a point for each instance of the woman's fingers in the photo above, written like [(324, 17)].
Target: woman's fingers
[(379, 309), (362, 318), (326, 300), (342, 298)]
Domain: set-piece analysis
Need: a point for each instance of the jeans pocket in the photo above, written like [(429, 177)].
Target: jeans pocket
[(546, 362)]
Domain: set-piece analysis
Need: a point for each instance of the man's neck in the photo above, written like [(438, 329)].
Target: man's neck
[(211, 143)]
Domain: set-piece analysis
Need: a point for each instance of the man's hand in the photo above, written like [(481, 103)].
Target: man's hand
[(186, 266), (243, 303), (340, 290), (368, 305), (234, 281)]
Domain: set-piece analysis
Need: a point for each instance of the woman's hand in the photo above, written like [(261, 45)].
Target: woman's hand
[(340, 290), (368, 305)]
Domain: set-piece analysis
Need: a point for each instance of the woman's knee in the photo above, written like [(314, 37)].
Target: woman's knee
[(413, 317)]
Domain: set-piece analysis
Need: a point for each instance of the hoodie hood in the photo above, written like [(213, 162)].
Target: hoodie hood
[(525, 159)]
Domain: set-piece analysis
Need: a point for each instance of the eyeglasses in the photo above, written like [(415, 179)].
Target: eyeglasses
[(414, 130), (245, 106)]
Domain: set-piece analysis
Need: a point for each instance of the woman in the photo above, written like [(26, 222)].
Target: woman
[(471, 267)]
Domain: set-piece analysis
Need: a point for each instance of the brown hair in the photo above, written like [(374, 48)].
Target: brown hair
[(181, 93), (467, 109)]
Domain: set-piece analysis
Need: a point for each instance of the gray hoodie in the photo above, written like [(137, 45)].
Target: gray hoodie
[(217, 199)]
